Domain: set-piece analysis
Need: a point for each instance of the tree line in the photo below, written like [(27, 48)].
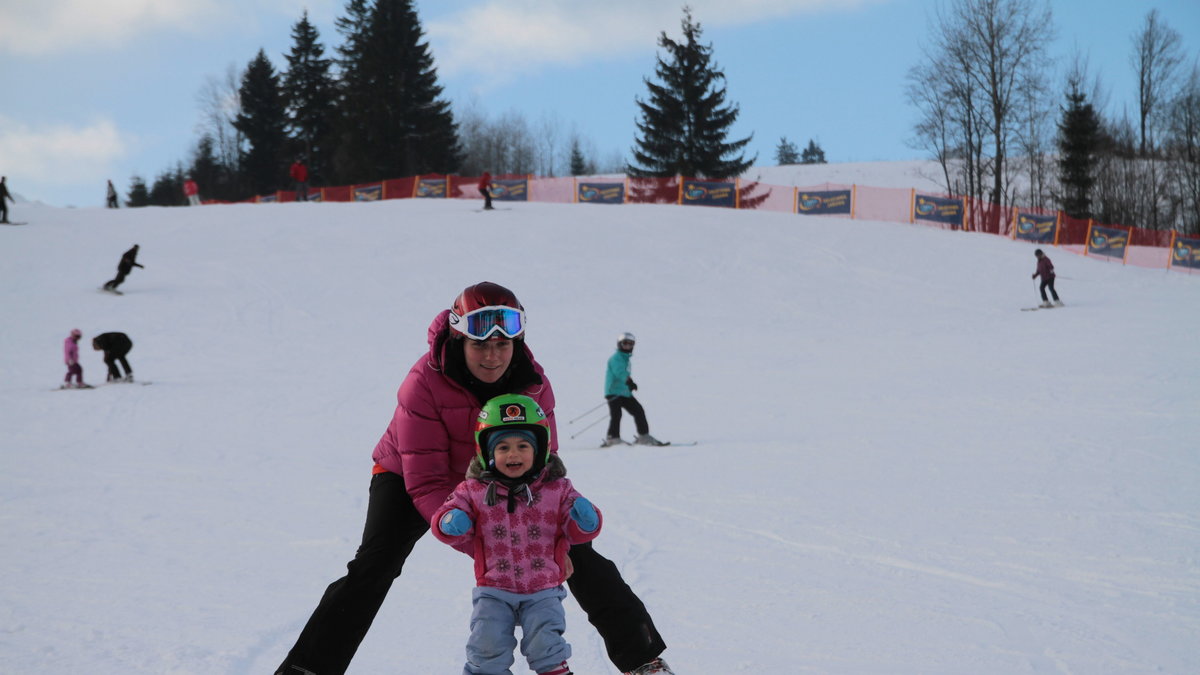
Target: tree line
[(1003, 133), (375, 110)]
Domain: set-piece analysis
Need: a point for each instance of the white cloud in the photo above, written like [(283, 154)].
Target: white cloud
[(497, 33), (59, 153), (41, 27)]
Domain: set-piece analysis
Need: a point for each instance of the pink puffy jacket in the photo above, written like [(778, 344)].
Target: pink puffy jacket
[(431, 439), (70, 351), (524, 551)]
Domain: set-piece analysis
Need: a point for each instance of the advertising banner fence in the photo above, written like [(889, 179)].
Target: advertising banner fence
[(824, 202), (368, 193), (1036, 227), (945, 210), (1185, 252), (708, 193), (1107, 242), (600, 193)]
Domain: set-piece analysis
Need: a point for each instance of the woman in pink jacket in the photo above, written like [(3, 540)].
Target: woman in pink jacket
[(519, 514), (477, 351)]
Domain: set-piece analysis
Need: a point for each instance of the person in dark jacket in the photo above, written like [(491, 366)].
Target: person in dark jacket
[(128, 262), (115, 346), (485, 189), (112, 196), (1045, 269), (5, 198)]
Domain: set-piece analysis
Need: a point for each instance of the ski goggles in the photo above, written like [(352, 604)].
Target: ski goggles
[(485, 321)]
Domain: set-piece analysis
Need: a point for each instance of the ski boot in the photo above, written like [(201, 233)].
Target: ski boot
[(1058, 303), (655, 667), (611, 441), (1046, 305), (647, 439)]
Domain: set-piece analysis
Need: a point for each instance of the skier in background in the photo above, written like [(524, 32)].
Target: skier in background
[(518, 515), (5, 198), (115, 346), (128, 262), (618, 390), (1045, 269), (112, 196), (71, 357), (485, 189), (299, 174), (192, 191)]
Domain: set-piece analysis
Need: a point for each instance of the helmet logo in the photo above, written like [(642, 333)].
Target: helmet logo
[(514, 412)]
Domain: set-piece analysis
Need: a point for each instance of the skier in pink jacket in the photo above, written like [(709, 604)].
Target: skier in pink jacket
[(519, 513), (71, 358), (477, 351)]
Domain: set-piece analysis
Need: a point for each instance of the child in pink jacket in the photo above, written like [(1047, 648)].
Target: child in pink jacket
[(71, 358), (517, 514)]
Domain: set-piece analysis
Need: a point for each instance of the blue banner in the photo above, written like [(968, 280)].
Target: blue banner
[(600, 193), (1186, 252), (314, 195), (368, 193), (510, 190), (1107, 241), (266, 199), (433, 188), (710, 193), (938, 209), (1036, 228), (823, 202)]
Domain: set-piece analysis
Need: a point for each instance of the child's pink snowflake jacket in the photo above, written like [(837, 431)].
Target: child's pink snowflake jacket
[(523, 550)]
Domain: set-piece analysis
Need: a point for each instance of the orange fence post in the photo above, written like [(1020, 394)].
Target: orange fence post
[(912, 206), (853, 199), (795, 200), (1057, 227)]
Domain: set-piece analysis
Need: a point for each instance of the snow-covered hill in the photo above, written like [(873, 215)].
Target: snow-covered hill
[(897, 472)]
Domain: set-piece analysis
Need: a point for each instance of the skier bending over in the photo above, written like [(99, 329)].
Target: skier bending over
[(1045, 269), (115, 347), (128, 262), (518, 515)]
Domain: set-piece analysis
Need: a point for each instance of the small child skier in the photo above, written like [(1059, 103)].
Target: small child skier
[(71, 358), (1045, 269), (517, 515)]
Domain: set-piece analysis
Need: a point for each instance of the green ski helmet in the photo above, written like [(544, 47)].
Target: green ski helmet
[(512, 412)]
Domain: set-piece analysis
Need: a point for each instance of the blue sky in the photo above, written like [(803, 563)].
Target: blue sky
[(99, 89)]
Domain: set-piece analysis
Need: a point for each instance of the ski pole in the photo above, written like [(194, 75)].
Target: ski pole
[(598, 420), (602, 403)]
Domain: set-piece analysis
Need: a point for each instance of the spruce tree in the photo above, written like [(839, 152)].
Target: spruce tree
[(261, 123), (393, 120), (139, 194), (813, 154), (206, 170), (1079, 142), (685, 122), (309, 94), (786, 152)]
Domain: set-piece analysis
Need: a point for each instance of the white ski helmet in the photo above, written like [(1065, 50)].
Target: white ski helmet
[(626, 337)]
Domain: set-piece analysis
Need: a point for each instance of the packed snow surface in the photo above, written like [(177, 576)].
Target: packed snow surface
[(898, 471)]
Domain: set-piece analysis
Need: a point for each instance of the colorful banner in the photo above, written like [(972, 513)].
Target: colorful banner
[(938, 209), (268, 199), (368, 193), (600, 193), (1109, 242), (823, 202), (510, 190), (433, 188), (314, 195), (1037, 228), (1185, 252), (709, 193)]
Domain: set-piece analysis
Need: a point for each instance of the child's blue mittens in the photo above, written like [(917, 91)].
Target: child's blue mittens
[(584, 515), (455, 523)]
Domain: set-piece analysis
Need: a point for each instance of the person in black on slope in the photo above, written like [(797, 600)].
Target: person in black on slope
[(5, 198), (128, 262), (115, 347)]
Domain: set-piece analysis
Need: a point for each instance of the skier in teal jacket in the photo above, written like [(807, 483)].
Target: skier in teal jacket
[(618, 390)]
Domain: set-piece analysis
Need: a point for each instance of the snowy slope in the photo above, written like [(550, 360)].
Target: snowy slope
[(898, 471)]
